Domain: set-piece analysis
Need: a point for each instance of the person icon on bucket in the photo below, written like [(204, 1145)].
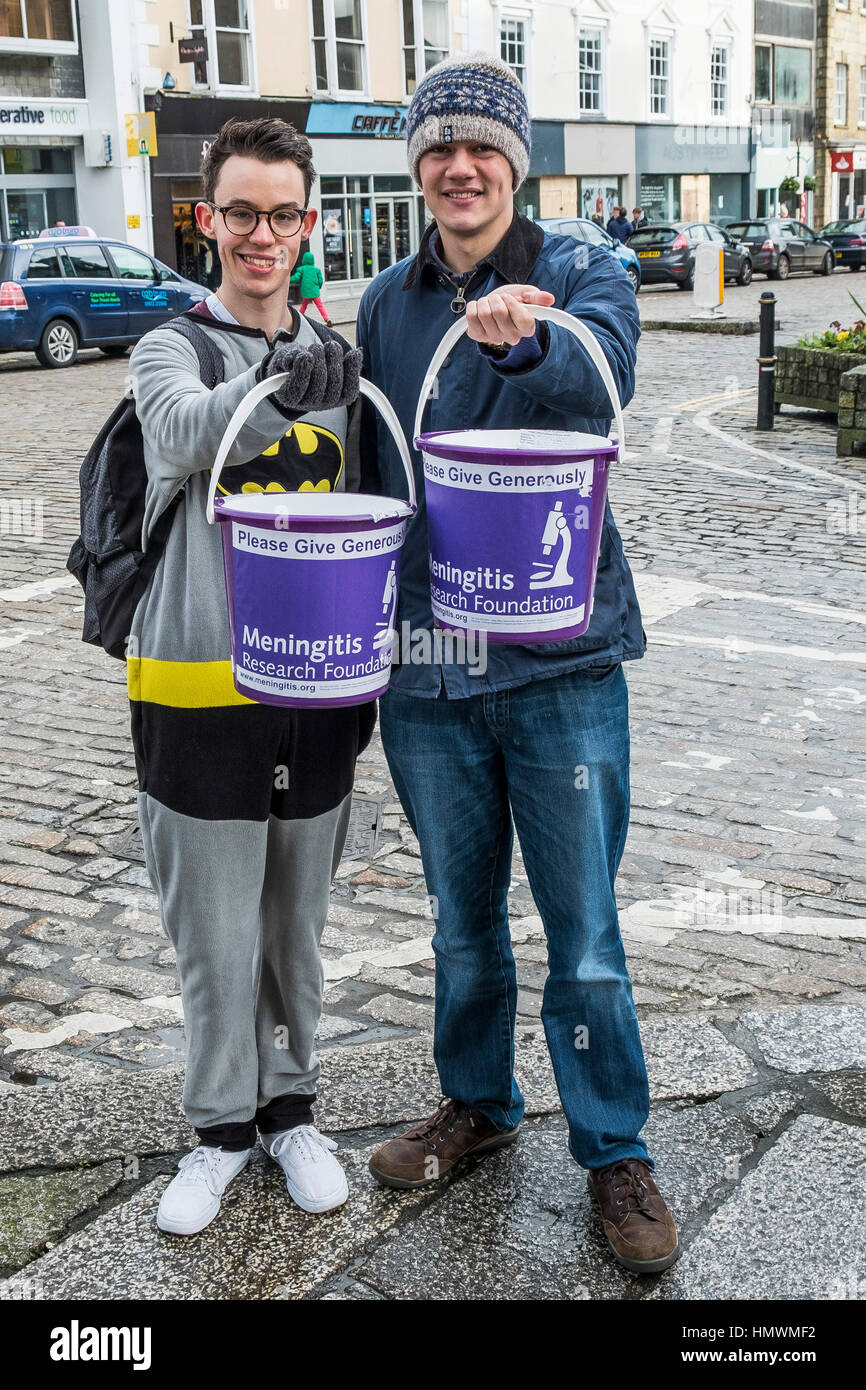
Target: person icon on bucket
[(474, 755)]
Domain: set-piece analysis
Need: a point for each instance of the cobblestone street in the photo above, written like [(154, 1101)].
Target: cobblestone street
[(742, 896)]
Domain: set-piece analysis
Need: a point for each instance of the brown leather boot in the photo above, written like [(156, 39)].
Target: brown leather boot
[(637, 1223), (430, 1149)]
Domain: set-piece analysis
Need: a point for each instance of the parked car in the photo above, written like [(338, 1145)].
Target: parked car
[(780, 246), (848, 239), (582, 229), (667, 252), (60, 293)]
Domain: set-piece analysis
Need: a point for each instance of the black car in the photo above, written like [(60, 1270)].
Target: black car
[(848, 238), (779, 247), (667, 252)]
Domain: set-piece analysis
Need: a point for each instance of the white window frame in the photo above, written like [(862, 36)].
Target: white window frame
[(840, 96), (599, 31), (861, 104), (725, 47), (420, 55), (47, 46), (209, 30), (524, 17), (664, 36), (332, 90)]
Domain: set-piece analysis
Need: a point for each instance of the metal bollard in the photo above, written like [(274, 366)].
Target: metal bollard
[(767, 362)]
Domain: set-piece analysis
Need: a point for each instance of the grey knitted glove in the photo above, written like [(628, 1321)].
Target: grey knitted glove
[(321, 375)]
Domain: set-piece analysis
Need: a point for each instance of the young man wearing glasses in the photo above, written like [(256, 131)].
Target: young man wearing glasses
[(243, 806)]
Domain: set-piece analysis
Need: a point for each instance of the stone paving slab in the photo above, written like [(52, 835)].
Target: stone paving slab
[(35, 1209), (801, 1040), (792, 1230), (522, 1225), (260, 1246)]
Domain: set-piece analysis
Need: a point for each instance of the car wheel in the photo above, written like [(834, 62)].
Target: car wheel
[(745, 275), (115, 349), (783, 269), (633, 275), (828, 265), (58, 346), (688, 283)]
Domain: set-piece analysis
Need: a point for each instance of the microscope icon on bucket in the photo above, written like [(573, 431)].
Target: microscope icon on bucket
[(550, 574), (385, 631)]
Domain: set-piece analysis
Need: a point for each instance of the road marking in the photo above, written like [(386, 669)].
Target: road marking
[(40, 588), (715, 432), (660, 595), (736, 645), (749, 473), (651, 921), (720, 396)]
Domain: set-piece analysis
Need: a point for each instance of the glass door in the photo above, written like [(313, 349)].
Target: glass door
[(395, 230)]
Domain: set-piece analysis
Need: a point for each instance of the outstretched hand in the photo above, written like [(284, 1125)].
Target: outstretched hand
[(501, 317)]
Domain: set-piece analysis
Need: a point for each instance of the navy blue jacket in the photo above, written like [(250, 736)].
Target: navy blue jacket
[(403, 315), (621, 228)]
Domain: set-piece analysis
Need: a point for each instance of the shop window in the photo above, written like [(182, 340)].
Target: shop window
[(527, 199), (793, 76), (339, 46), (40, 25), (512, 46), (599, 197), (660, 197), (589, 66), (225, 24), (29, 159), (368, 224), (426, 38), (660, 76)]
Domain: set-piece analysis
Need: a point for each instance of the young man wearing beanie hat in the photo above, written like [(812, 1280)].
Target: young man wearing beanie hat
[(475, 754)]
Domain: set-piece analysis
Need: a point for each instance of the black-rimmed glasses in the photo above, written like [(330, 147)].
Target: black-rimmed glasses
[(242, 221)]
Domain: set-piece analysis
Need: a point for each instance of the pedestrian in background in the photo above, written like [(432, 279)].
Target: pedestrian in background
[(310, 279), (637, 219), (619, 225)]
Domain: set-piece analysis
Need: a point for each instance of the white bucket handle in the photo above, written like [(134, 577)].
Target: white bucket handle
[(574, 325), (273, 383)]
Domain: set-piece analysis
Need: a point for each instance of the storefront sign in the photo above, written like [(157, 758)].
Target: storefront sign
[(141, 134), (192, 50), (337, 118), (43, 117), (841, 161)]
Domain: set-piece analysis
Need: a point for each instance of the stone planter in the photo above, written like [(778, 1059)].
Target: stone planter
[(852, 411), (812, 376)]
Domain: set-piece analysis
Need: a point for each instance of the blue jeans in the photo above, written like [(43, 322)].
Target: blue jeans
[(554, 755)]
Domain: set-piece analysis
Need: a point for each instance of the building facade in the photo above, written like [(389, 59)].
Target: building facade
[(840, 110), (783, 97)]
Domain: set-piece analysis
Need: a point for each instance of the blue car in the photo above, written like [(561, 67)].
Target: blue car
[(582, 229), (65, 291)]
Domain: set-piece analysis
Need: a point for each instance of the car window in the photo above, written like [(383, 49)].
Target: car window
[(715, 234), (595, 234), (570, 229), (652, 236), (805, 232), (86, 262), (131, 264), (166, 274), (44, 265), (697, 233), (836, 228), (789, 229)]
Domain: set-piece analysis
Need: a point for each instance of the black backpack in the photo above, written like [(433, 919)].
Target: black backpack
[(107, 559)]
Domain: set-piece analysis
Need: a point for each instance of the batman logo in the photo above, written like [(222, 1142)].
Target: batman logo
[(307, 458)]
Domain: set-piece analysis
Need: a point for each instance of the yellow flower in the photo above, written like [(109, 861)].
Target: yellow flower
[(840, 337)]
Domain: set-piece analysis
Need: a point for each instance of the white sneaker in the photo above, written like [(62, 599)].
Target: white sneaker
[(192, 1199), (314, 1179)]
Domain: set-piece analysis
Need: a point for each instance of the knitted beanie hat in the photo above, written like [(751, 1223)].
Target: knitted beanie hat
[(471, 97)]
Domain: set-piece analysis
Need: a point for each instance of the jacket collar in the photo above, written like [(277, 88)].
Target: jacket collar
[(513, 258)]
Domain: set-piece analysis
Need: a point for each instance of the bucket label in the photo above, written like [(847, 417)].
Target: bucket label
[(513, 547), (307, 627)]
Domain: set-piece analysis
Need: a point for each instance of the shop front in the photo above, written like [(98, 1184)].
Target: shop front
[(184, 127), (601, 158), (370, 212), (38, 141), (848, 189), (694, 173)]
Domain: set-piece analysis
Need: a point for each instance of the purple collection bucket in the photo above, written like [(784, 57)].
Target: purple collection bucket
[(311, 582), (515, 517)]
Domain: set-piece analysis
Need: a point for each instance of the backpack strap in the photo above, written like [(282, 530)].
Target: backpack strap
[(210, 362)]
